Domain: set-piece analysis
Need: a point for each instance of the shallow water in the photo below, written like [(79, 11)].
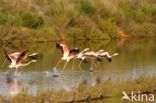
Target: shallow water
[(135, 58)]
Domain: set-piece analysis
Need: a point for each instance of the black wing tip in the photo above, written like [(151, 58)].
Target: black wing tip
[(25, 51), (6, 55), (109, 59), (85, 61), (77, 49), (99, 60), (58, 45)]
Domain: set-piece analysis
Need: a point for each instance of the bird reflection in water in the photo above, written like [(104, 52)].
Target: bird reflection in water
[(12, 85), (91, 79)]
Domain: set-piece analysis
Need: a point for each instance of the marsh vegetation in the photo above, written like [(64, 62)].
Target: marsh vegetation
[(50, 20)]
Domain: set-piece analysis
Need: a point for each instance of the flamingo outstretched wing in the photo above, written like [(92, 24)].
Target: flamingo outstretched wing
[(7, 56), (74, 51), (22, 56)]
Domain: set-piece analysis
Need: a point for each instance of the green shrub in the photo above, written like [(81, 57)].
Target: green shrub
[(47, 33), (135, 11), (142, 30), (3, 18), (153, 13), (31, 20), (75, 32), (86, 7), (108, 26), (97, 34), (104, 13)]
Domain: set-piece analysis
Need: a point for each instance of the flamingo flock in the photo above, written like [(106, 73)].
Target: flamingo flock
[(18, 59), (75, 53)]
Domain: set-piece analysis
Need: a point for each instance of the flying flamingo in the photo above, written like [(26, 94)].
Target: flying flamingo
[(94, 56), (17, 58), (67, 54), (107, 55), (88, 54)]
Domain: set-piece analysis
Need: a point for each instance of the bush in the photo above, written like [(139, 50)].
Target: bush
[(47, 33), (86, 7), (135, 11), (3, 18), (75, 32), (97, 34), (153, 13), (31, 20), (143, 30), (108, 26)]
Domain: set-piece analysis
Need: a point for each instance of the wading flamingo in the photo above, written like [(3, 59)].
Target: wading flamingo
[(67, 54), (94, 56), (17, 59)]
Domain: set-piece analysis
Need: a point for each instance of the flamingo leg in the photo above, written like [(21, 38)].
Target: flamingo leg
[(16, 70), (58, 63), (64, 67), (7, 72), (80, 66), (3, 62), (81, 78), (73, 65), (92, 65)]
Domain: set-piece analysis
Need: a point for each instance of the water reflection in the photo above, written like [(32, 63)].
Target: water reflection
[(91, 79), (12, 86)]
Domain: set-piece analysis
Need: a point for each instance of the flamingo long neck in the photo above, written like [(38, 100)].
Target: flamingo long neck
[(27, 63), (85, 50), (65, 49), (115, 54), (108, 55)]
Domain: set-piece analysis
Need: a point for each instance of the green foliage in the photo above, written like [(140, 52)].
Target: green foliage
[(136, 11), (3, 18), (31, 20), (108, 26), (48, 34), (74, 32), (153, 13), (63, 14), (105, 13), (86, 7), (85, 19), (97, 34), (144, 30)]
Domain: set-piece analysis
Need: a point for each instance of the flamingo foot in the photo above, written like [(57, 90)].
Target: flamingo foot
[(55, 72), (17, 73), (51, 71), (91, 70), (46, 73)]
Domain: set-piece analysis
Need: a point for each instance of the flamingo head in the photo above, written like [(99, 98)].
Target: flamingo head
[(115, 54), (101, 50), (86, 49), (34, 61), (58, 45)]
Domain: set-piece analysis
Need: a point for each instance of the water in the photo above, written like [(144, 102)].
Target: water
[(136, 58)]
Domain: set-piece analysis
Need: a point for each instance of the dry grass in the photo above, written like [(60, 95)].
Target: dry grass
[(85, 93)]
